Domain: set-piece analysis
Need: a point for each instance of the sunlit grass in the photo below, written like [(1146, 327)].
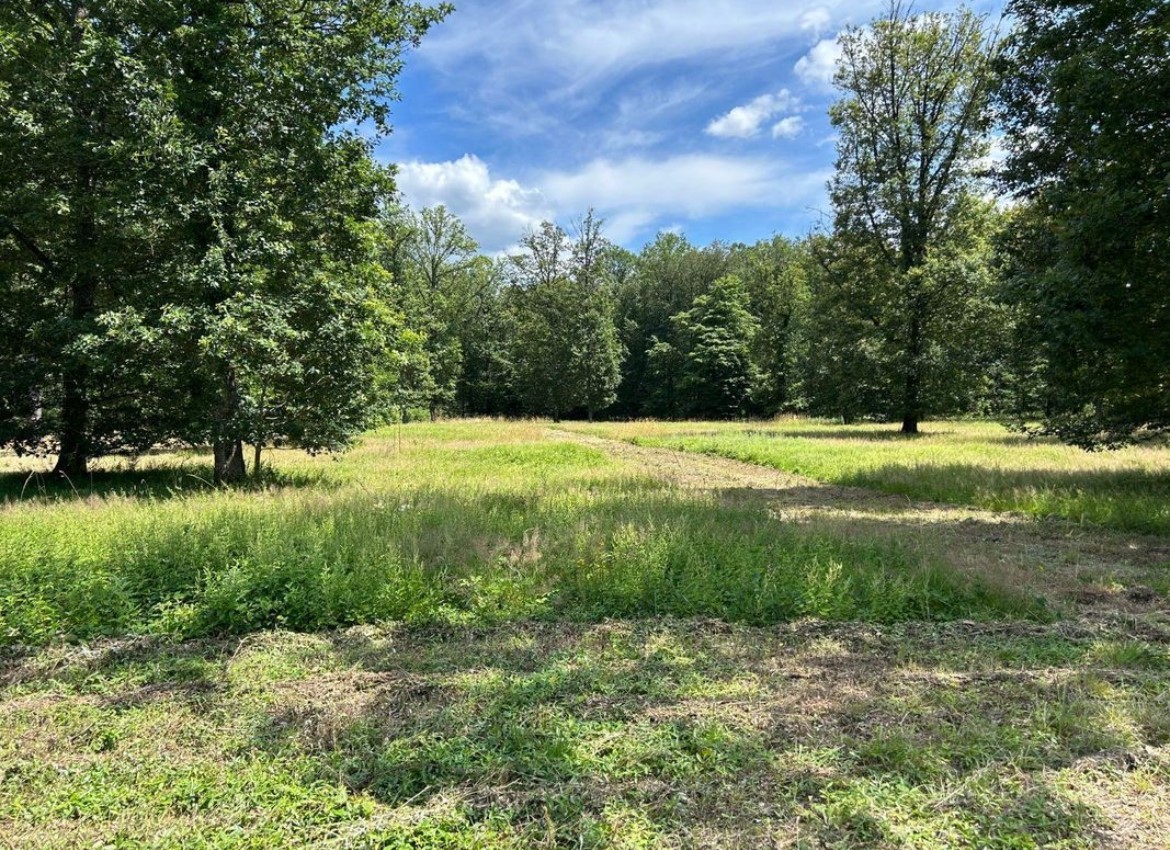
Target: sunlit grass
[(980, 464), (468, 522)]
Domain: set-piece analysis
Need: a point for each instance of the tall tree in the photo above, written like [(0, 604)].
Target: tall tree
[(666, 277), (912, 129), (775, 275), (1085, 100), (567, 350), (437, 289), (84, 116), (598, 350), (199, 216)]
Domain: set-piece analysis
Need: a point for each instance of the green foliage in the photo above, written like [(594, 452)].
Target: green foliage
[(235, 293), (1084, 98), (711, 372), (567, 353), (666, 277), (912, 126)]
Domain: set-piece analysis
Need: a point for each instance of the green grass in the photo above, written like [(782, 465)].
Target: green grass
[(976, 464), (480, 636), (657, 733), (461, 523)]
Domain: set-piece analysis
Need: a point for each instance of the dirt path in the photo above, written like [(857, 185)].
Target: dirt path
[(1096, 569)]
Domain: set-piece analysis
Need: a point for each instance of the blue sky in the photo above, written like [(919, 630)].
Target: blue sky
[(704, 116)]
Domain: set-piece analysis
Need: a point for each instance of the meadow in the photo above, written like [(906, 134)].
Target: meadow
[(479, 634), (980, 464)]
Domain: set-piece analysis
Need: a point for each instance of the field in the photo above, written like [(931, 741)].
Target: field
[(491, 635), (980, 464)]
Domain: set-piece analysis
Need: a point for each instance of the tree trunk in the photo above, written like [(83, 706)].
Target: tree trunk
[(229, 461), (257, 451), (228, 448), (73, 458), (912, 396)]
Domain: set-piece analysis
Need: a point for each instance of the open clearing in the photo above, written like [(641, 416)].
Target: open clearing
[(488, 635)]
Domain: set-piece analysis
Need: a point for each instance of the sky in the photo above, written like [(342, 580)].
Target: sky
[(704, 117)]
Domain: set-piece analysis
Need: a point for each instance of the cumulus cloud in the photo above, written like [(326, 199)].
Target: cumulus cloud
[(744, 122), (816, 68), (496, 211), (635, 194), (788, 128), (816, 20)]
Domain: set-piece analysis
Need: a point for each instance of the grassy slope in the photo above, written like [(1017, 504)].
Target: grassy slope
[(966, 463)]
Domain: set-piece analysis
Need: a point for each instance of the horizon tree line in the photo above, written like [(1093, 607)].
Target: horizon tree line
[(198, 248)]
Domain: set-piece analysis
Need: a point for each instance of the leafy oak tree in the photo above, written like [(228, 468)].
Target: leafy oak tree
[(199, 219), (709, 367), (567, 351), (912, 128), (88, 151)]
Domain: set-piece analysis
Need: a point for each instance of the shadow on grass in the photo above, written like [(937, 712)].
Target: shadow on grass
[(1129, 499), (708, 727), (891, 435), (155, 483), (562, 734)]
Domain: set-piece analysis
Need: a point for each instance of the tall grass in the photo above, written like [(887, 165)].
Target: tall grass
[(462, 522), (979, 464)]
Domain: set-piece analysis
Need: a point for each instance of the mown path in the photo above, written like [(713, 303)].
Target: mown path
[(1097, 570)]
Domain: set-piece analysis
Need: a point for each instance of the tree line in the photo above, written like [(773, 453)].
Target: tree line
[(197, 246)]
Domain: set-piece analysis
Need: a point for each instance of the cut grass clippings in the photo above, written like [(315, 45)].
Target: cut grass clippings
[(645, 734)]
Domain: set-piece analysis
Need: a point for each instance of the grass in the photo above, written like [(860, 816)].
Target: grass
[(977, 464), (646, 734), (487, 635), (463, 523)]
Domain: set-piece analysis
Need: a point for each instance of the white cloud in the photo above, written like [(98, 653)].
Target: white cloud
[(816, 20), (788, 128), (634, 195), (568, 47), (496, 212), (744, 122), (816, 68)]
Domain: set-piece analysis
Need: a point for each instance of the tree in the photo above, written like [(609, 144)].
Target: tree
[(84, 114), (854, 351), (598, 351), (437, 290), (667, 275), (1085, 101), (193, 202), (912, 129), (567, 351), (775, 276), (715, 372)]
